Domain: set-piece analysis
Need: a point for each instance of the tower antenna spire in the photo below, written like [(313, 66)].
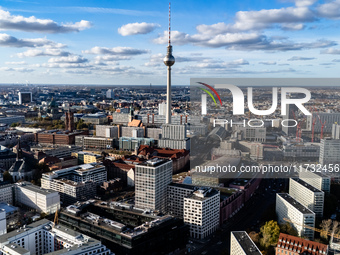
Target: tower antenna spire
[(169, 23), (169, 60)]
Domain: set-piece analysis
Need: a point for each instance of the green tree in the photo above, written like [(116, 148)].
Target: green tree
[(270, 232), (287, 228), (7, 176)]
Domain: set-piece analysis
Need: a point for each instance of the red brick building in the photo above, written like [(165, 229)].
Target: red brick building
[(180, 158), (293, 245)]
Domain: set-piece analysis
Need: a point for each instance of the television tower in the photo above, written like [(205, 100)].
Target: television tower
[(169, 60)]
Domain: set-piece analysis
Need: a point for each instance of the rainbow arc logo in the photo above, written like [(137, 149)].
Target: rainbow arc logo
[(210, 94)]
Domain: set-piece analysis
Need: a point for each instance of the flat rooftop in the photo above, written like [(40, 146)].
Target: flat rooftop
[(295, 203), (246, 243), (154, 162), (203, 193), (305, 184), (34, 188), (8, 208)]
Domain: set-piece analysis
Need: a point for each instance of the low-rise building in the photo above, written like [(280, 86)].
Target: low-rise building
[(42, 237), (12, 214), (293, 245), (34, 197)]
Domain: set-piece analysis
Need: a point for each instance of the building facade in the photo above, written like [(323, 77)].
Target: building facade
[(42, 237), (202, 212), (317, 180), (329, 151), (293, 245), (299, 215), (34, 197), (152, 178), (307, 195)]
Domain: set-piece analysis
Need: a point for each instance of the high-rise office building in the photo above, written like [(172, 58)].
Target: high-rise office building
[(152, 178), (329, 151), (241, 244), (317, 180), (175, 198), (25, 97), (174, 137), (299, 216), (291, 111), (307, 195), (110, 93), (322, 117), (162, 109), (335, 131), (202, 212)]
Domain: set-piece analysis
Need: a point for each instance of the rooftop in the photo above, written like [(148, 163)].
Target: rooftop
[(246, 243), (8, 208), (203, 193), (154, 162), (295, 203), (305, 184), (35, 188), (289, 242)]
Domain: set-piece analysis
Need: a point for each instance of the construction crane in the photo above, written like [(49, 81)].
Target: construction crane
[(55, 222), (298, 128), (313, 125), (322, 126), (314, 229)]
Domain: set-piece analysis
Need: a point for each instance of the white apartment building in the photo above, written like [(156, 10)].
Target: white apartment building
[(202, 212), (241, 244), (175, 198), (307, 195), (174, 137), (299, 215), (316, 179), (3, 222), (87, 172), (42, 238), (329, 152), (107, 131), (34, 197), (6, 194), (151, 181)]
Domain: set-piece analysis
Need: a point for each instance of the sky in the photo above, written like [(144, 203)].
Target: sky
[(118, 42)]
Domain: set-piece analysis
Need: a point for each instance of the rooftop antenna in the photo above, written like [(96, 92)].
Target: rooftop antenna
[(169, 24)]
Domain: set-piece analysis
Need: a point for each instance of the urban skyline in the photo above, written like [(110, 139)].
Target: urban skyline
[(91, 42)]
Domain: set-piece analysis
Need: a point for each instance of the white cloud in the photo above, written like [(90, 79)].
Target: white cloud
[(69, 59), (43, 52), (242, 41), (330, 10), (16, 63), (137, 28), (268, 63), (33, 24), (331, 51), (10, 41), (121, 51), (296, 58), (16, 69)]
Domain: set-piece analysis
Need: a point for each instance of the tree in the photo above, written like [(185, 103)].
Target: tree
[(288, 228), (255, 237), (7, 176), (270, 232), (326, 227)]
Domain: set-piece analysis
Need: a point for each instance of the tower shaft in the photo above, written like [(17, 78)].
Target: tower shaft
[(168, 97)]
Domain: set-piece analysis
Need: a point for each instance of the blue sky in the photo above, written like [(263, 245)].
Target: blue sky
[(124, 42)]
